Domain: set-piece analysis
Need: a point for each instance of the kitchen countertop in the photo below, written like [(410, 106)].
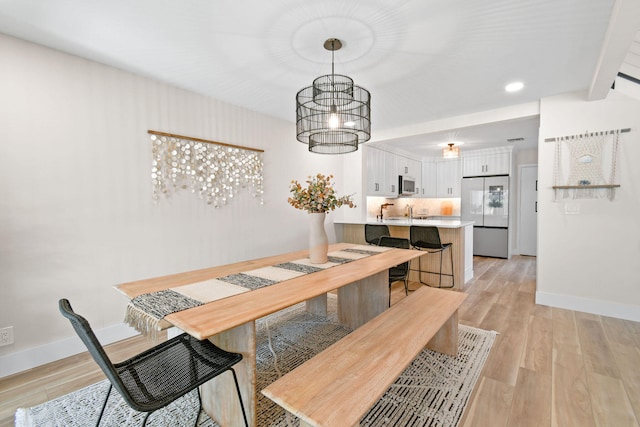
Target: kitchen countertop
[(405, 222)]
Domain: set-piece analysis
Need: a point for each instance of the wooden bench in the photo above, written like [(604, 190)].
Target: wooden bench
[(339, 385)]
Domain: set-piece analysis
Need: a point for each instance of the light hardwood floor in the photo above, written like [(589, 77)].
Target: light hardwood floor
[(548, 367)]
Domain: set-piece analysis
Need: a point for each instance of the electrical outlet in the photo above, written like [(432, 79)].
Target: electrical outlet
[(6, 336), (572, 209)]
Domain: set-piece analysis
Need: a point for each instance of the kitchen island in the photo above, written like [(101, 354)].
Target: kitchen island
[(460, 233)]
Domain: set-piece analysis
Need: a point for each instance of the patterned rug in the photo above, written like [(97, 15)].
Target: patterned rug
[(433, 391)]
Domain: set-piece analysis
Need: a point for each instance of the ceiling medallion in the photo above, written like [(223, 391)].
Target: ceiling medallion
[(333, 115)]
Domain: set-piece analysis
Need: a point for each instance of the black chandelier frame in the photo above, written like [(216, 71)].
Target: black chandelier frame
[(333, 115)]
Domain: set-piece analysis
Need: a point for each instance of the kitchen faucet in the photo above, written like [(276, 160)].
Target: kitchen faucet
[(382, 206)]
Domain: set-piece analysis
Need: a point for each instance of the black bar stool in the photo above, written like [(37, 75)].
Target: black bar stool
[(373, 233), (399, 272), (428, 239)]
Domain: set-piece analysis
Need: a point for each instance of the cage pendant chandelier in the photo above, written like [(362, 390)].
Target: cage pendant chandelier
[(333, 115)]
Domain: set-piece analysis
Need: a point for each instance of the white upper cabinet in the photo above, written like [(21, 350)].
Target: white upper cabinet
[(411, 168), (429, 176), (374, 169), (391, 174), (407, 166), (418, 176), (448, 178), (484, 164), (381, 173), (441, 178)]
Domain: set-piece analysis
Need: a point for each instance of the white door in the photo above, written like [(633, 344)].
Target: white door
[(528, 227)]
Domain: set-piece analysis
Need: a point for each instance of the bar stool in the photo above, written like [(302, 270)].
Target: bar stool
[(399, 272), (428, 239), (373, 233)]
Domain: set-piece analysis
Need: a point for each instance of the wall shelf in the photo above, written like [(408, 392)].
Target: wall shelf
[(585, 191), (571, 187)]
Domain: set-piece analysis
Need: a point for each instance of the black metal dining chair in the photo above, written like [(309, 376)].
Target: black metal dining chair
[(373, 233), (158, 376), (427, 239), (399, 272)]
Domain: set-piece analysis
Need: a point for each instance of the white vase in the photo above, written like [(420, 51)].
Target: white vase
[(318, 241)]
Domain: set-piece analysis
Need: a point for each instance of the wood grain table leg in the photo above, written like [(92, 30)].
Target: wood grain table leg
[(363, 300), (219, 396), (446, 339)]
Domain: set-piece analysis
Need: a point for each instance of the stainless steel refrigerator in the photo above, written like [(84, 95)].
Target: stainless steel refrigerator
[(485, 200)]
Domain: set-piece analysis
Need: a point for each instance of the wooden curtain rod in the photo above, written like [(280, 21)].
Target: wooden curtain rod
[(588, 134), (155, 132)]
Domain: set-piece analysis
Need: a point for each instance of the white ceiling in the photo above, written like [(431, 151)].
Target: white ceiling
[(421, 60), (476, 137), (631, 64)]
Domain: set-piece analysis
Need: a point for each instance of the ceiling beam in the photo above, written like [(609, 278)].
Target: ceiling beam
[(623, 26)]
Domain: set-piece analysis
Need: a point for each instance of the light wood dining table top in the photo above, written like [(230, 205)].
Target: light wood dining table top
[(218, 316)]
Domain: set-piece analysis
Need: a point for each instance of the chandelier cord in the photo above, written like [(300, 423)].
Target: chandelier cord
[(333, 76)]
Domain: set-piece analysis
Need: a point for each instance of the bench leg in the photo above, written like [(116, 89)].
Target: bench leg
[(446, 339)]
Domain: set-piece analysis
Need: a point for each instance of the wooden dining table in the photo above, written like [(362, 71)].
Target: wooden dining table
[(363, 293)]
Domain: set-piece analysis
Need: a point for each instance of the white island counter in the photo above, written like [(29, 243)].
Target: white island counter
[(460, 233)]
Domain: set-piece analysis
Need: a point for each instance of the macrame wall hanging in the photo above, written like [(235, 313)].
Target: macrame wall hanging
[(585, 165), (215, 171)]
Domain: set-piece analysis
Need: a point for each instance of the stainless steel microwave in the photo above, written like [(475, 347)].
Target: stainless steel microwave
[(406, 185)]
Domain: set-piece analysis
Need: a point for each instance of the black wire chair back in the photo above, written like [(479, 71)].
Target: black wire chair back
[(373, 233), (425, 237), (158, 376)]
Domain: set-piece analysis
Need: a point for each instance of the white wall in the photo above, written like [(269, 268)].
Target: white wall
[(589, 261), (76, 214)]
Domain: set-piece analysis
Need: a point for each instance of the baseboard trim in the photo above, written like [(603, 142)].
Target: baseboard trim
[(27, 359), (468, 274), (602, 308)]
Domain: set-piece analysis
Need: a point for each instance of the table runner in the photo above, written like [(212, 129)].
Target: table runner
[(146, 312)]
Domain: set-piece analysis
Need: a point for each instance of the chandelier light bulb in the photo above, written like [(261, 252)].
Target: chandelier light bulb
[(334, 120)]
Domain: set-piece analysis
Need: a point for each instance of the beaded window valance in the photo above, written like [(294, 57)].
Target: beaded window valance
[(215, 171)]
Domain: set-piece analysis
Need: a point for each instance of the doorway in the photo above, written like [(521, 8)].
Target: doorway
[(528, 210)]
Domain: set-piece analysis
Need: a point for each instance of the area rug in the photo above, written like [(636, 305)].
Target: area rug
[(432, 391)]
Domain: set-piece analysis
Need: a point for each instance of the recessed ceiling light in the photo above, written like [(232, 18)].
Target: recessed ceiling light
[(514, 87)]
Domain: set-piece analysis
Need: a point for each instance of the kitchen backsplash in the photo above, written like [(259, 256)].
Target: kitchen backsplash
[(421, 207)]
